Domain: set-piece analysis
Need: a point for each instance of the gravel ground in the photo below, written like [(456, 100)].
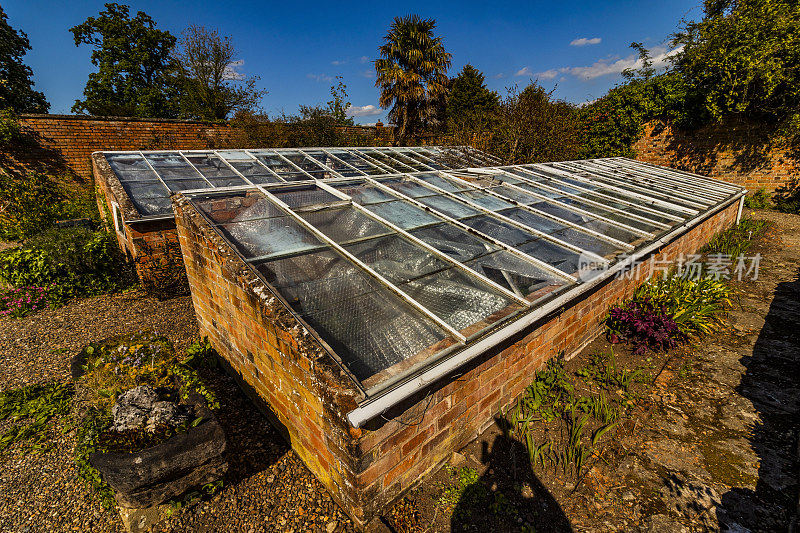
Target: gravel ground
[(42, 492)]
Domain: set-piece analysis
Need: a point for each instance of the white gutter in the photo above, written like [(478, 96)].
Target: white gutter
[(374, 407)]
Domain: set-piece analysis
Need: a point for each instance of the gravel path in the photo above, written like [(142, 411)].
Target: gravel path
[(267, 487)]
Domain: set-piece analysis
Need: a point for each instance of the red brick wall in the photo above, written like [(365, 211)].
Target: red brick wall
[(72, 138), (284, 365), (736, 152)]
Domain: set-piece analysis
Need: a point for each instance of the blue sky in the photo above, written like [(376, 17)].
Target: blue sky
[(298, 48)]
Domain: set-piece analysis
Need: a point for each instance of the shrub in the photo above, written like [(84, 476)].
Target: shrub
[(787, 197), (69, 262), (21, 302), (645, 324), (34, 201), (758, 200), (9, 127)]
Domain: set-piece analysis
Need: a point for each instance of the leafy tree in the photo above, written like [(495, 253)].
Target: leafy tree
[(411, 74), (211, 87), (135, 75), (470, 105), (532, 127), (742, 60), (16, 85)]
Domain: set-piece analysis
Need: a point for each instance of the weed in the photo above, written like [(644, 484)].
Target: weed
[(603, 370), (787, 197), (37, 404), (758, 200)]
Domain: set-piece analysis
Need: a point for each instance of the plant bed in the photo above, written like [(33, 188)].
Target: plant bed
[(149, 435)]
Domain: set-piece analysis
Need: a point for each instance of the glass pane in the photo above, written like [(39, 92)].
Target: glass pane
[(357, 162), (153, 206), (442, 183), (186, 184), (514, 273), (171, 166), (367, 325), (305, 196), (454, 241), (145, 189), (345, 224), (587, 222), (308, 165), (238, 207), (408, 187), (403, 214), (250, 169), (233, 181), (269, 236), (364, 193), (487, 201), (129, 167), (210, 166), (448, 206)]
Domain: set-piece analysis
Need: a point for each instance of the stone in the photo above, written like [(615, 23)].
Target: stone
[(154, 475), (457, 459), (331, 527), (141, 407), (142, 519)]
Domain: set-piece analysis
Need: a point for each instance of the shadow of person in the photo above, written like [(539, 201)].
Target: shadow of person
[(508, 496), (771, 384)]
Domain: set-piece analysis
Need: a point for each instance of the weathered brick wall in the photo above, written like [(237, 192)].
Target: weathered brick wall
[(67, 141), (366, 469), (736, 152)]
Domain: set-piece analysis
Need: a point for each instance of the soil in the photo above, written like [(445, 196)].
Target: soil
[(710, 445)]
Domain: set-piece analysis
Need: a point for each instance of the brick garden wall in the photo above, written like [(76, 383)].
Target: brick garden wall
[(67, 141), (283, 365), (735, 152)]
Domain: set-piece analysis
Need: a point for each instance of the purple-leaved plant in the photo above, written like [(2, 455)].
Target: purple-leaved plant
[(643, 324)]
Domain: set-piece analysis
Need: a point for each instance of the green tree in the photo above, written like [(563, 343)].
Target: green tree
[(470, 105), (211, 87), (411, 74), (135, 75), (16, 85), (742, 60)]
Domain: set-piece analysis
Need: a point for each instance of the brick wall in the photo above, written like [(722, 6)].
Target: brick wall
[(736, 152), (283, 365), (67, 141)]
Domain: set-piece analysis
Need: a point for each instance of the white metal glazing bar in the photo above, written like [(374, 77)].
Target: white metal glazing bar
[(688, 176), (441, 255), (345, 163), (691, 184), (363, 266), (234, 169), (272, 172), (320, 163), (195, 169), (538, 262), (169, 191)]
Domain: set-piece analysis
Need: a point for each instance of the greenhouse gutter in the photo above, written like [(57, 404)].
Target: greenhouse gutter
[(373, 407)]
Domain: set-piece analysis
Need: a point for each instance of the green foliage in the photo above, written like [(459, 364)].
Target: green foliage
[(758, 200), (694, 304), (37, 405), (465, 489), (603, 370), (115, 366), (411, 74), (16, 78), (9, 127), (211, 89), (135, 76), (736, 240), (471, 107), (787, 197), (69, 262), (741, 60), (33, 201), (200, 354), (532, 127), (20, 302)]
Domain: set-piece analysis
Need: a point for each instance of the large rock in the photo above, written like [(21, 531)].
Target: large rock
[(155, 475), (140, 407)]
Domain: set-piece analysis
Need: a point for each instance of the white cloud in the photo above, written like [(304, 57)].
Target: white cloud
[(338, 62), (524, 71), (587, 102), (369, 73), (363, 59), (363, 111), (603, 67), (583, 41), (319, 77), (499, 75), (231, 71), (547, 74)]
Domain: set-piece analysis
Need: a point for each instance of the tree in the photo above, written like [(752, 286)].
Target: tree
[(470, 105), (742, 59), (135, 75), (411, 74), (532, 127), (16, 85), (211, 87)]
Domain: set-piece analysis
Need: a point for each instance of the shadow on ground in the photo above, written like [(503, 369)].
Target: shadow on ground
[(515, 502), (771, 384)]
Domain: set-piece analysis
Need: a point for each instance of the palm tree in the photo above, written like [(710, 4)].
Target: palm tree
[(411, 74)]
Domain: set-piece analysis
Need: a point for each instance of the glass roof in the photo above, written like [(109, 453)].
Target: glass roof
[(150, 177), (398, 271)]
